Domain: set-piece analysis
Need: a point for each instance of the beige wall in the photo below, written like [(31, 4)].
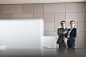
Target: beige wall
[(52, 15), (37, 1)]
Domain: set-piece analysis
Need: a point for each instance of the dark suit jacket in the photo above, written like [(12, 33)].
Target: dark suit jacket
[(73, 34), (60, 32)]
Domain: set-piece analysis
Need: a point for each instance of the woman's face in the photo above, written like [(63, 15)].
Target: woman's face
[(72, 24)]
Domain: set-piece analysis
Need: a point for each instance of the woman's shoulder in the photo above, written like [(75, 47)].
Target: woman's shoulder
[(75, 28)]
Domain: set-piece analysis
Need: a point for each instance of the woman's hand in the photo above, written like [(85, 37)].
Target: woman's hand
[(68, 36), (67, 39), (58, 35)]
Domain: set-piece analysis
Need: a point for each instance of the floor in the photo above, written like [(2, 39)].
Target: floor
[(42, 52)]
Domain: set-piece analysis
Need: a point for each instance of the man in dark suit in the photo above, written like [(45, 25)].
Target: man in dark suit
[(62, 40), (72, 35)]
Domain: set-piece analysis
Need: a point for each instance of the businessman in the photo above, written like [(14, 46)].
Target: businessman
[(62, 40), (72, 35)]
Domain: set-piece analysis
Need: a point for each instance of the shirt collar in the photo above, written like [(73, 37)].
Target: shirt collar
[(63, 27), (71, 28)]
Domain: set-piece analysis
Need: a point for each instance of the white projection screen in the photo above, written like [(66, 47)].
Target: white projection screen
[(21, 33)]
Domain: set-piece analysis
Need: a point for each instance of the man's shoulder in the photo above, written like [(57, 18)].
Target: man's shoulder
[(59, 28), (66, 28)]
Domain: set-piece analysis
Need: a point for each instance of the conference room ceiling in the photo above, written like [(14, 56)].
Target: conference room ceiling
[(37, 1)]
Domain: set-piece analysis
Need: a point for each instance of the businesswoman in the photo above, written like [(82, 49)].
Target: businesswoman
[(71, 42)]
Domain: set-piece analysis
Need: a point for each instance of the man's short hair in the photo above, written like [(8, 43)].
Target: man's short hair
[(72, 21), (63, 21)]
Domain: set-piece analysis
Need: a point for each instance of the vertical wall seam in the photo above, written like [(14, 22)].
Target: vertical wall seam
[(2, 11), (33, 11), (65, 11)]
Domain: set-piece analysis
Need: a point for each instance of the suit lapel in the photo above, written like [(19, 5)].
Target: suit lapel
[(72, 30)]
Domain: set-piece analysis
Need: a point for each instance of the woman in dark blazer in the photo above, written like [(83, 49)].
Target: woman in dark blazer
[(72, 35)]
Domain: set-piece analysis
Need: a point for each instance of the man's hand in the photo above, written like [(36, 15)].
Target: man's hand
[(65, 32), (68, 36)]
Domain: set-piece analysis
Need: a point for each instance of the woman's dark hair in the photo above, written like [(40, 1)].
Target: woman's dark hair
[(72, 21)]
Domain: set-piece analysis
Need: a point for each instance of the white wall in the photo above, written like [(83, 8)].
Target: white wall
[(21, 34)]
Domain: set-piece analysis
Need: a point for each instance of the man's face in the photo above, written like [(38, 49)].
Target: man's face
[(63, 24), (72, 24)]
